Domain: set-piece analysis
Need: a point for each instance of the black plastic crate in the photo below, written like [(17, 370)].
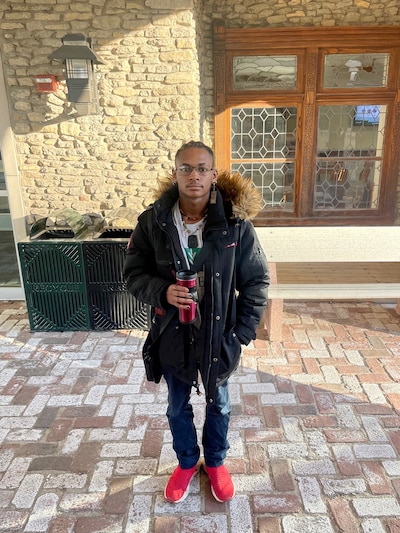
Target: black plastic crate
[(110, 304), (54, 283)]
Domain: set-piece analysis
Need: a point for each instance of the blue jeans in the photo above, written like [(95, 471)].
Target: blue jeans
[(180, 418)]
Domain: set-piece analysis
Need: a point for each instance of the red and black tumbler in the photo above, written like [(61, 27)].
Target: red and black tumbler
[(188, 278)]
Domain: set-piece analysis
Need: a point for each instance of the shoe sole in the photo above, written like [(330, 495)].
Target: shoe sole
[(218, 499)]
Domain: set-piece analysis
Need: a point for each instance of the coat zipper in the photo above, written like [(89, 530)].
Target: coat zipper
[(210, 400)]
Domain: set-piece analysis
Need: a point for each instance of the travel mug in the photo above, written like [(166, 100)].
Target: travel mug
[(188, 278)]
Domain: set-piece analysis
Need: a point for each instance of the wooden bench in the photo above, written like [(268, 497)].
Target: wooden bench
[(329, 263)]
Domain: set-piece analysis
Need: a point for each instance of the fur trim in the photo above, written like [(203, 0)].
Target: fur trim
[(163, 185), (246, 199)]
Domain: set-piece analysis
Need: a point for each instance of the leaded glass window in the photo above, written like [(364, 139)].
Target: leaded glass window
[(263, 147), (254, 73), (349, 156), (312, 116), (356, 70)]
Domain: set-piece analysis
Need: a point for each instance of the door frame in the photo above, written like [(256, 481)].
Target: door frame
[(13, 184)]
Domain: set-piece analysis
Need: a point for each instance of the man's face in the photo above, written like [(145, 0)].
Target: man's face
[(194, 173)]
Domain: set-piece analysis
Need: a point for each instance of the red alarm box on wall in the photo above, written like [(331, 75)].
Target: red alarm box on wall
[(46, 83)]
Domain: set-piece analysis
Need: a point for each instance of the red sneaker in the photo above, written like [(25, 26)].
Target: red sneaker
[(222, 487), (179, 483)]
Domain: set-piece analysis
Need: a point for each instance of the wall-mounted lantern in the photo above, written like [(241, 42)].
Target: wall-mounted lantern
[(76, 51)]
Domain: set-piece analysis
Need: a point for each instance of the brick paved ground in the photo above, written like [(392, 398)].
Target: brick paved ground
[(315, 431)]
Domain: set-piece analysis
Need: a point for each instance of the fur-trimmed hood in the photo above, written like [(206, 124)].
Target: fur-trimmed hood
[(240, 191)]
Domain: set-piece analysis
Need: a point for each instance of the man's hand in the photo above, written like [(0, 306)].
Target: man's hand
[(179, 296)]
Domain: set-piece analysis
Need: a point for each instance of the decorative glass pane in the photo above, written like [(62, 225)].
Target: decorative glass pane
[(256, 73), (356, 70), (263, 133), (349, 156), (275, 181), (263, 147)]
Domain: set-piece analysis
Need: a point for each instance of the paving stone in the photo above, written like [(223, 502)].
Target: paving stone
[(5, 498), (120, 450), (37, 405), (85, 458), (211, 524), (372, 525), (310, 524), (53, 462), (346, 460), (72, 441), (27, 491), (385, 506), (282, 478), (394, 437), (46, 417), (392, 468), (311, 495), (25, 395), (15, 473), (376, 478), (136, 466), (139, 514), (276, 503), (42, 513), (394, 526), (60, 428), (117, 499), (95, 395), (268, 525), (315, 440), (65, 481), (241, 519), (318, 444), (318, 467), (374, 451), (93, 422), (81, 502), (62, 524), (334, 487), (343, 515), (250, 484), (106, 434), (166, 524), (12, 520), (103, 524), (279, 451), (20, 435), (101, 475)]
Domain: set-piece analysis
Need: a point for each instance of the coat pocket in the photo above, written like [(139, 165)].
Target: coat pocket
[(173, 348), (151, 359), (231, 350)]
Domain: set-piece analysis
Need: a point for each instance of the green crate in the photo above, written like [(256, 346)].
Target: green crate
[(54, 282)]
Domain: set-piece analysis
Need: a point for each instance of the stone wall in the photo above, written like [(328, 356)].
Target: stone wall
[(155, 88)]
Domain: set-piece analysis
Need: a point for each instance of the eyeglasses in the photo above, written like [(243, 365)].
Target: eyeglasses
[(186, 170)]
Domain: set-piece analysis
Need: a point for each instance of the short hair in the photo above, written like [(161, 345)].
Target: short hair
[(194, 144)]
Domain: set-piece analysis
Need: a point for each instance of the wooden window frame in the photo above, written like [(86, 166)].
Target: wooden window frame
[(311, 44)]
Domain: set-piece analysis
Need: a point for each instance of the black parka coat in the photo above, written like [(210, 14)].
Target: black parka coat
[(235, 282)]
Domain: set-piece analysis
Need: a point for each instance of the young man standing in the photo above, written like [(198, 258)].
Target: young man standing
[(200, 221)]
